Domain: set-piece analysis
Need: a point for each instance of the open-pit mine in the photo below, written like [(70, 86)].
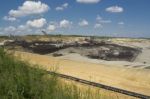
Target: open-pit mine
[(93, 49), (119, 62)]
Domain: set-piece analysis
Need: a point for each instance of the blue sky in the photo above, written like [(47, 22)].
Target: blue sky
[(125, 18)]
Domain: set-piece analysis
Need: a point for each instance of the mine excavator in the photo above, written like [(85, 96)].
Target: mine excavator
[(44, 32)]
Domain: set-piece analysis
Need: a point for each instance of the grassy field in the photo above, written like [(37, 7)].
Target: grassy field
[(18, 80)]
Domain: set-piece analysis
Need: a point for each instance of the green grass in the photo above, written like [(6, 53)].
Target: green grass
[(18, 80)]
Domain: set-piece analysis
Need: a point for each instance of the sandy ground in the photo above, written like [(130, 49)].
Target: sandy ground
[(132, 79), (145, 55), (126, 64), (73, 54)]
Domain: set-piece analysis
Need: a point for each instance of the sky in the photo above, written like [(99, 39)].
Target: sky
[(119, 18)]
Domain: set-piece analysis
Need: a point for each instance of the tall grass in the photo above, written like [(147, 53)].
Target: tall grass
[(18, 80)]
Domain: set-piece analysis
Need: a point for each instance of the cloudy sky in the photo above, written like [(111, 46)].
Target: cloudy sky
[(125, 18)]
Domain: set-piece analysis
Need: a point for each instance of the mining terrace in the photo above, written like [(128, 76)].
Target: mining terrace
[(103, 50)]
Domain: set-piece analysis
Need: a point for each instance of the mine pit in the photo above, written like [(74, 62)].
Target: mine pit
[(114, 53), (104, 52), (93, 50)]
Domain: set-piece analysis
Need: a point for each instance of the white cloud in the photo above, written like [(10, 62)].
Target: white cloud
[(105, 21), (98, 25), (22, 27), (101, 20), (62, 7), (83, 23), (65, 5), (9, 18), (29, 8), (88, 1), (115, 9), (121, 23), (98, 18), (59, 8), (65, 24), (51, 28), (9, 29), (18, 30), (37, 23)]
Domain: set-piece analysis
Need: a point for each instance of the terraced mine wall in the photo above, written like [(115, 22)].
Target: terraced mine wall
[(114, 52), (95, 50)]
